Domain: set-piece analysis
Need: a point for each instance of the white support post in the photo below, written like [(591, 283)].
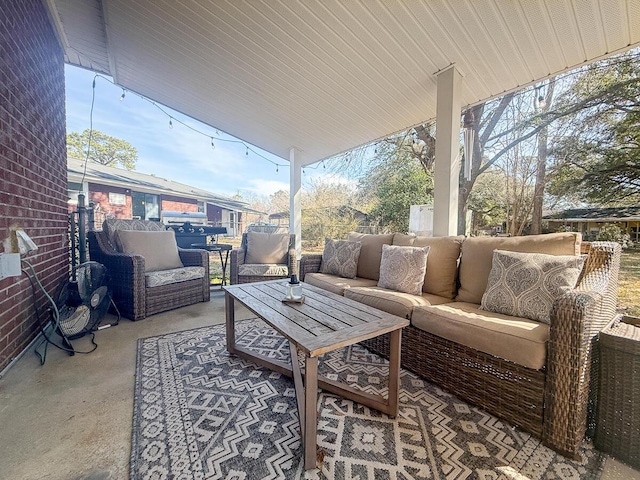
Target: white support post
[(295, 199), (447, 162)]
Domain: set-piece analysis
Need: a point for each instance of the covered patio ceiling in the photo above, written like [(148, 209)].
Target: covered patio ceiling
[(325, 76)]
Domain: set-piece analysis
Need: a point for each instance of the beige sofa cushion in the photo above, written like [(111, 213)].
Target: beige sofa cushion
[(267, 248), (371, 253), (403, 239), (335, 284), (159, 249), (402, 268), (477, 256), (391, 301), (518, 340), (526, 284), (442, 264)]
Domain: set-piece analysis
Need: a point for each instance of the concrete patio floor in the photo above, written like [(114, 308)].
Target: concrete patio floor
[(71, 417)]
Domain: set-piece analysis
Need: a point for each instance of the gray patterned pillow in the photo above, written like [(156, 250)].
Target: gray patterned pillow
[(526, 284), (403, 268), (340, 257)]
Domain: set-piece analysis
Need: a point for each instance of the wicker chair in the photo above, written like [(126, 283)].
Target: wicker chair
[(243, 272), (129, 284)]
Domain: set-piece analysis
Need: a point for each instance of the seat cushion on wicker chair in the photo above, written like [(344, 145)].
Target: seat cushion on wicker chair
[(267, 248), (518, 340), (159, 249), (335, 284), (175, 275), (392, 301), (263, 269), (111, 225)]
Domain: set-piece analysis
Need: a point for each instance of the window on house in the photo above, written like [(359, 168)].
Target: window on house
[(117, 198)]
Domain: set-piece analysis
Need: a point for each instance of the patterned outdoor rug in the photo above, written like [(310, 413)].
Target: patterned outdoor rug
[(200, 413)]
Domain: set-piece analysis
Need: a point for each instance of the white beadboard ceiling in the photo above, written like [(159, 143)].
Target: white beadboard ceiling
[(324, 76)]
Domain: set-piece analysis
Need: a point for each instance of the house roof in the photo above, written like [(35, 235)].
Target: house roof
[(142, 182), (323, 77), (614, 214)]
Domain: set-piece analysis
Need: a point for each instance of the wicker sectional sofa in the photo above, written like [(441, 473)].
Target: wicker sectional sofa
[(537, 376)]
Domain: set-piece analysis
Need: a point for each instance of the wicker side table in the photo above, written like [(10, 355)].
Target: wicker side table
[(618, 419)]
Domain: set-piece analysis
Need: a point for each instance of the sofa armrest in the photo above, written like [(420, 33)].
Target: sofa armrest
[(575, 320), (310, 264), (237, 259), (192, 257)]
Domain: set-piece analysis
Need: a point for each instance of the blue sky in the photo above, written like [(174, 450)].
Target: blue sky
[(178, 154)]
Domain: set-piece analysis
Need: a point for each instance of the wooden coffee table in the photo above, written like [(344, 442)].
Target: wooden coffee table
[(323, 323)]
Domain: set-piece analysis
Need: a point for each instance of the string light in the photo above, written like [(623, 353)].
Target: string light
[(246, 153), (217, 138)]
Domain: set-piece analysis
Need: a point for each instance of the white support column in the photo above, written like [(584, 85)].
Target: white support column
[(295, 198), (447, 162)]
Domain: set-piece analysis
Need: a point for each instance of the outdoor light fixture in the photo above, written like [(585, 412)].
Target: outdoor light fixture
[(469, 135)]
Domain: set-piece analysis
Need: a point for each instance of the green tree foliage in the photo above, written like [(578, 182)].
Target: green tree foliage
[(610, 232), (394, 185), (104, 149), (597, 154)]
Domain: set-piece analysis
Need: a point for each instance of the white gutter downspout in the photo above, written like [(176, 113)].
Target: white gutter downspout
[(447, 161)]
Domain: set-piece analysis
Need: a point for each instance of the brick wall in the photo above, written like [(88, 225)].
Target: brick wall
[(33, 192), (177, 204), (99, 195)]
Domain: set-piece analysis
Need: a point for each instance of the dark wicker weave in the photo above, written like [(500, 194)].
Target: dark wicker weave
[(238, 256), (618, 420), (551, 403), (126, 278)]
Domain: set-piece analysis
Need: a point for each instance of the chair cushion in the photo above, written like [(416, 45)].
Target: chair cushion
[(526, 284), (402, 268), (263, 270), (267, 248), (340, 257), (391, 301), (477, 257), (175, 275), (370, 253), (111, 225), (518, 340), (442, 264), (335, 284), (159, 248)]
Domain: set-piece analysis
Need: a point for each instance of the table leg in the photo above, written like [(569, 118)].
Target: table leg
[(310, 412), (224, 266), (394, 372), (230, 322)]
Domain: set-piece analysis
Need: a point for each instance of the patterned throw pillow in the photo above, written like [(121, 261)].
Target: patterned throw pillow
[(403, 268), (340, 257), (526, 284)]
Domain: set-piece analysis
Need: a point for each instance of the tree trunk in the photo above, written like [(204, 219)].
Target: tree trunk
[(541, 167)]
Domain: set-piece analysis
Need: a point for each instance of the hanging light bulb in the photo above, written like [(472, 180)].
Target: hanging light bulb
[(541, 102), (170, 123), (213, 145), (277, 168), (246, 152), (122, 96)]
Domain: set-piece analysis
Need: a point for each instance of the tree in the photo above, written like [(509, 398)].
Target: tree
[(103, 149), (394, 185)]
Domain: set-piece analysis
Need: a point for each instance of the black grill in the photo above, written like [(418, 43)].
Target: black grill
[(190, 227)]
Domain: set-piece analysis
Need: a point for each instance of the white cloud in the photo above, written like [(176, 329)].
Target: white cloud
[(265, 187)]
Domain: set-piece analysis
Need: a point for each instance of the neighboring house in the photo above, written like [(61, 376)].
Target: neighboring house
[(120, 193), (589, 220)]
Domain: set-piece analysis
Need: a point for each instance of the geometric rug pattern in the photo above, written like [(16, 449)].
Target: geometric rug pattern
[(200, 413)]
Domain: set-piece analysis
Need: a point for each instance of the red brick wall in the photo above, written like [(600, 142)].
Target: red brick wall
[(177, 204), (99, 195), (33, 191)]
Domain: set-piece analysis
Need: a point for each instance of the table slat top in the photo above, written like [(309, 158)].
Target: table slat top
[(324, 322)]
